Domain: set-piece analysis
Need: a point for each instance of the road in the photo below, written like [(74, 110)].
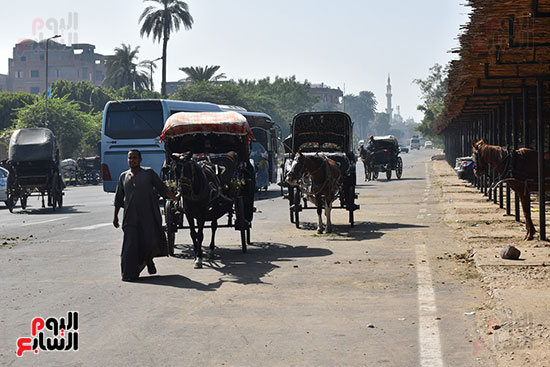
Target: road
[(384, 293)]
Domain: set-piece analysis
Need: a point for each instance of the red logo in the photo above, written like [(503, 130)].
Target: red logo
[(63, 331)]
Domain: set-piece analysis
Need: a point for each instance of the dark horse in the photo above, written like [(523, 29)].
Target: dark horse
[(203, 199), (322, 178), (367, 157), (519, 170)]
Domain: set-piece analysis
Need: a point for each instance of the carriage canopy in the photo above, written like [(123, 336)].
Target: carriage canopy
[(387, 141), (322, 131), (186, 123), (35, 144)]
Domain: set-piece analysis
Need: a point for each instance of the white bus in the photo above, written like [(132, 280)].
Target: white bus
[(137, 124)]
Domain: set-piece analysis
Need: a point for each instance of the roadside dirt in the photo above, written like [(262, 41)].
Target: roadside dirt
[(515, 324)]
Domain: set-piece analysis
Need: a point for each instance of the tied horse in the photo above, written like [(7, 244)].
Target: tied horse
[(516, 167), (322, 178)]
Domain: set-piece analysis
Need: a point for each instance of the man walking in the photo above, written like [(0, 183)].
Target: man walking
[(144, 237)]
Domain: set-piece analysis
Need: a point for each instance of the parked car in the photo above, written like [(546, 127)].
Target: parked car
[(428, 145), (404, 148), (464, 168), (3, 184)]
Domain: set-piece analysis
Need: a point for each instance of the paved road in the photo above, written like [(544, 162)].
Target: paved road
[(374, 295)]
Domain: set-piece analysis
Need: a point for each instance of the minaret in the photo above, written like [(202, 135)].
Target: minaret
[(389, 110)]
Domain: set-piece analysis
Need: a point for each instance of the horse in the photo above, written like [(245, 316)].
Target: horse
[(203, 199), (321, 177), (367, 158), (518, 168)]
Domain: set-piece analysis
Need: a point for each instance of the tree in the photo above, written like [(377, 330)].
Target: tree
[(202, 74), (160, 21), (122, 70), (433, 89), (362, 109), (68, 123), (90, 98), (151, 66), (381, 124), (9, 103)]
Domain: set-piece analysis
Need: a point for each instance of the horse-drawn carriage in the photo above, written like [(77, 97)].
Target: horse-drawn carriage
[(208, 164), (34, 168), (321, 165), (382, 155)]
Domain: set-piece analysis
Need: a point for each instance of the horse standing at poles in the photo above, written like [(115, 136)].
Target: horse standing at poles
[(366, 157), (321, 177), (518, 168), (203, 201)]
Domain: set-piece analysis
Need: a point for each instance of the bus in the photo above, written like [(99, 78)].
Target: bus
[(266, 132), (137, 124)]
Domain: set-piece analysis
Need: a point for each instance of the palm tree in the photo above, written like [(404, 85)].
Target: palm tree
[(150, 66), (200, 74), (122, 70), (159, 21)]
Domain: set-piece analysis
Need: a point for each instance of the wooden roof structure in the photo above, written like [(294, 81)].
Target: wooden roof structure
[(504, 48)]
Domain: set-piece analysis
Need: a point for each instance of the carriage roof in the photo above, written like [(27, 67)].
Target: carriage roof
[(387, 139), (320, 131), (189, 123), (34, 144)]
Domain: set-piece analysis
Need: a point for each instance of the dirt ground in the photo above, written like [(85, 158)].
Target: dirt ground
[(515, 324)]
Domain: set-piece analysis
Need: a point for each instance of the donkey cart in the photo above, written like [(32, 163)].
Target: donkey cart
[(208, 164)]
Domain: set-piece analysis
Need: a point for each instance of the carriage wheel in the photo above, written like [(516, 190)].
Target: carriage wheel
[(297, 207), (350, 204), (388, 172), (399, 168), (170, 233)]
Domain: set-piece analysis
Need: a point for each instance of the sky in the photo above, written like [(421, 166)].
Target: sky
[(348, 44)]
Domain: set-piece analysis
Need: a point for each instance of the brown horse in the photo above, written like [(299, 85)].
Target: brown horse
[(320, 178), (519, 169), (367, 157)]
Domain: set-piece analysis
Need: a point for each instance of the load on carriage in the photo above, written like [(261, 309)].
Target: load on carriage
[(213, 147), (382, 156), (329, 135), (34, 167)]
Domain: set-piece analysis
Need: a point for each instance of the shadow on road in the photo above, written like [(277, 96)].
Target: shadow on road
[(179, 281), (249, 268), (38, 210), (361, 231)]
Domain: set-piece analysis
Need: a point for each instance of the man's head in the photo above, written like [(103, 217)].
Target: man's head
[(134, 158)]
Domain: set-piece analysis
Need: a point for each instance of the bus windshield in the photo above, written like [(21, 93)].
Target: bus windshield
[(134, 121)]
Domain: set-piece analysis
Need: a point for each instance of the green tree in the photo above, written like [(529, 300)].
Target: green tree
[(9, 103), (151, 66), (90, 98), (68, 123), (160, 21), (362, 109), (122, 70), (202, 74), (204, 91), (433, 89)]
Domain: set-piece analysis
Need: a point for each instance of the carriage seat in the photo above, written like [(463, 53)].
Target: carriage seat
[(227, 163)]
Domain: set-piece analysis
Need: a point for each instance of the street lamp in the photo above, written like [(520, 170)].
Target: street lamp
[(46, 108)]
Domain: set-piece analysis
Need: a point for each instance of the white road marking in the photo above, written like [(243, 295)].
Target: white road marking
[(95, 226), (44, 221), (428, 329)]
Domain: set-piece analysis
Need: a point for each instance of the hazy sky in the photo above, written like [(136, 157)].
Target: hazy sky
[(351, 43)]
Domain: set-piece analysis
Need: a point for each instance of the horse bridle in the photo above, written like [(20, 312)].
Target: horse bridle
[(475, 154)]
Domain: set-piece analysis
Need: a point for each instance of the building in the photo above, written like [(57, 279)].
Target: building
[(389, 109), (326, 94), (77, 62)]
